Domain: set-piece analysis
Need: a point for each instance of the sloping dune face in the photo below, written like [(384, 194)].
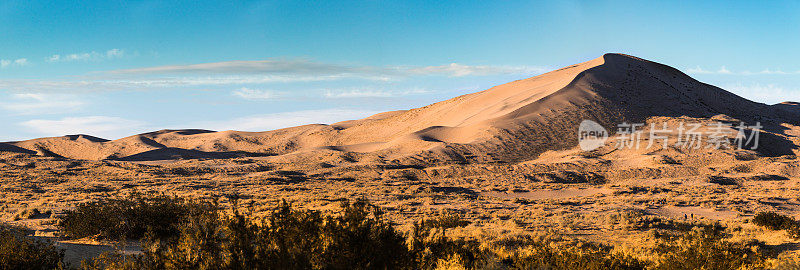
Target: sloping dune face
[(511, 122)]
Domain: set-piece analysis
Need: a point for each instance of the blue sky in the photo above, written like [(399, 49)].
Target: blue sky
[(116, 68)]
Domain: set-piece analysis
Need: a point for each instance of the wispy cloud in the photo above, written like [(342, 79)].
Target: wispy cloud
[(459, 70), (254, 94), (101, 84), (311, 68), (41, 103), (248, 73), (259, 94), (87, 56), (286, 119), (4, 63), (359, 93), (102, 126), (770, 72), (246, 67), (766, 93), (725, 71)]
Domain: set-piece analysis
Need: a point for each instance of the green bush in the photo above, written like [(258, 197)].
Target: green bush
[(18, 251), (129, 217)]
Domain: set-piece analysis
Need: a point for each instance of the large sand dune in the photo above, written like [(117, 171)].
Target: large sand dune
[(505, 158), (512, 122)]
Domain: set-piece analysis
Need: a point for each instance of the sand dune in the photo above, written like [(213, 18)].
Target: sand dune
[(511, 122), (505, 158), (4, 147)]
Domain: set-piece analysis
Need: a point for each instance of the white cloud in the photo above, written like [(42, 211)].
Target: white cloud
[(87, 56), (243, 73), (4, 63), (115, 53), (41, 103), (356, 93), (769, 93), (256, 94), (102, 126), (80, 57), (286, 119), (459, 70), (247, 67), (698, 70), (725, 71), (769, 72), (310, 68), (106, 84), (247, 93)]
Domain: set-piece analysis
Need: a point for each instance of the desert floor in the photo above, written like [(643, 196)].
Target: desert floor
[(609, 196)]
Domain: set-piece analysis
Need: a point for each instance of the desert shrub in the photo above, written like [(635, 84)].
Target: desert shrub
[(722, 180), (667, 224), (546, 252), (545, 257), (448, 220), (775, 221), (358, 238), (680, 246), (742, 168), (198, 244), (289, 240), (129, 217), (787, 262), (32, 213), (568, 177), (429, 244), (18, 251), (708, 248), (114, 260)]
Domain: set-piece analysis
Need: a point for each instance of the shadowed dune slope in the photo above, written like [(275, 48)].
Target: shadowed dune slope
[(4, 147), (510, 122)]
